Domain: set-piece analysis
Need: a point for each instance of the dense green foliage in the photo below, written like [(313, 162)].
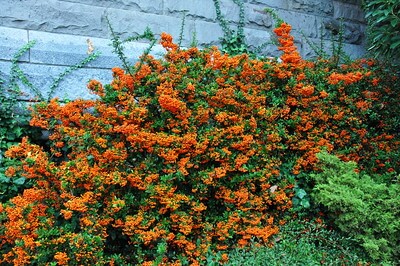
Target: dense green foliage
[(14, 120), (14, 114), (196, 158), (193, 153), (301, 243), (361, 206), (233, 42), (383, 18)]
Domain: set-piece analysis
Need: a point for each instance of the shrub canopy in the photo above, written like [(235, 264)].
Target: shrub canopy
[(194, 152)]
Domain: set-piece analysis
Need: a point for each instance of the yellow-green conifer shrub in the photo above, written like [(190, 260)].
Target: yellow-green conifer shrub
[(361, 206)]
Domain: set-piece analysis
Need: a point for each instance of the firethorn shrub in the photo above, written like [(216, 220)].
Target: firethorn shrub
[(192, 153)]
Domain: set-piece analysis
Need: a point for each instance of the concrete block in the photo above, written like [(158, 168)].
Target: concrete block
[(53, 16), (73, 86), (5, 68), (300, 23), (204, 9), (11, 40), (256, 38), (317, 7), (313, 48), (230, 10), (351, 50), (354, 51), (208, 33), (353, 2), (17, 14), (354, 33), (132, 23), (283, 4), (269, 50), (58, 49), (68, 50), (350, 12), (43, 72), (154, 6), (190, 35), (256, 15)]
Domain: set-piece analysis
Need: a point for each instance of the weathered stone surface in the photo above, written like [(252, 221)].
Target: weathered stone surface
[(197, 9), (300, 23), (351, 50), (354, 2), (257, 16), (256, 37), (354, 51), (348, 12), (11, 40), (54, 53), (204, 9), (312, 6), (53, 16), (132, 23), (58, 49), (87, 17), (207, 33), (71, 87), (230, 10), (62, 49), (353, 33), (313, 48), (153, 6), (62, 27), (283, 4)]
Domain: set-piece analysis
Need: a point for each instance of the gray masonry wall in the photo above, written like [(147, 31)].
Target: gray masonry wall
[(61, 29)]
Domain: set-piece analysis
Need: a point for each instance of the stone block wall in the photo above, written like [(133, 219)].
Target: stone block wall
[(61, 29)]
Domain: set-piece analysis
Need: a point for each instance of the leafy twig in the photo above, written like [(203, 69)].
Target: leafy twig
[(60, 77), (119, 48)]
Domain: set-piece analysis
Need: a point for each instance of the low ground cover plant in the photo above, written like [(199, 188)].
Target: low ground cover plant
[(194, 153), (301, 242)]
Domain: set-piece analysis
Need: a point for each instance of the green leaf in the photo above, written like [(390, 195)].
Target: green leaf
[(395, 45), (394, 21), (295, 201), (301, 193), (305, 203), (4, 179), (19, 181)]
